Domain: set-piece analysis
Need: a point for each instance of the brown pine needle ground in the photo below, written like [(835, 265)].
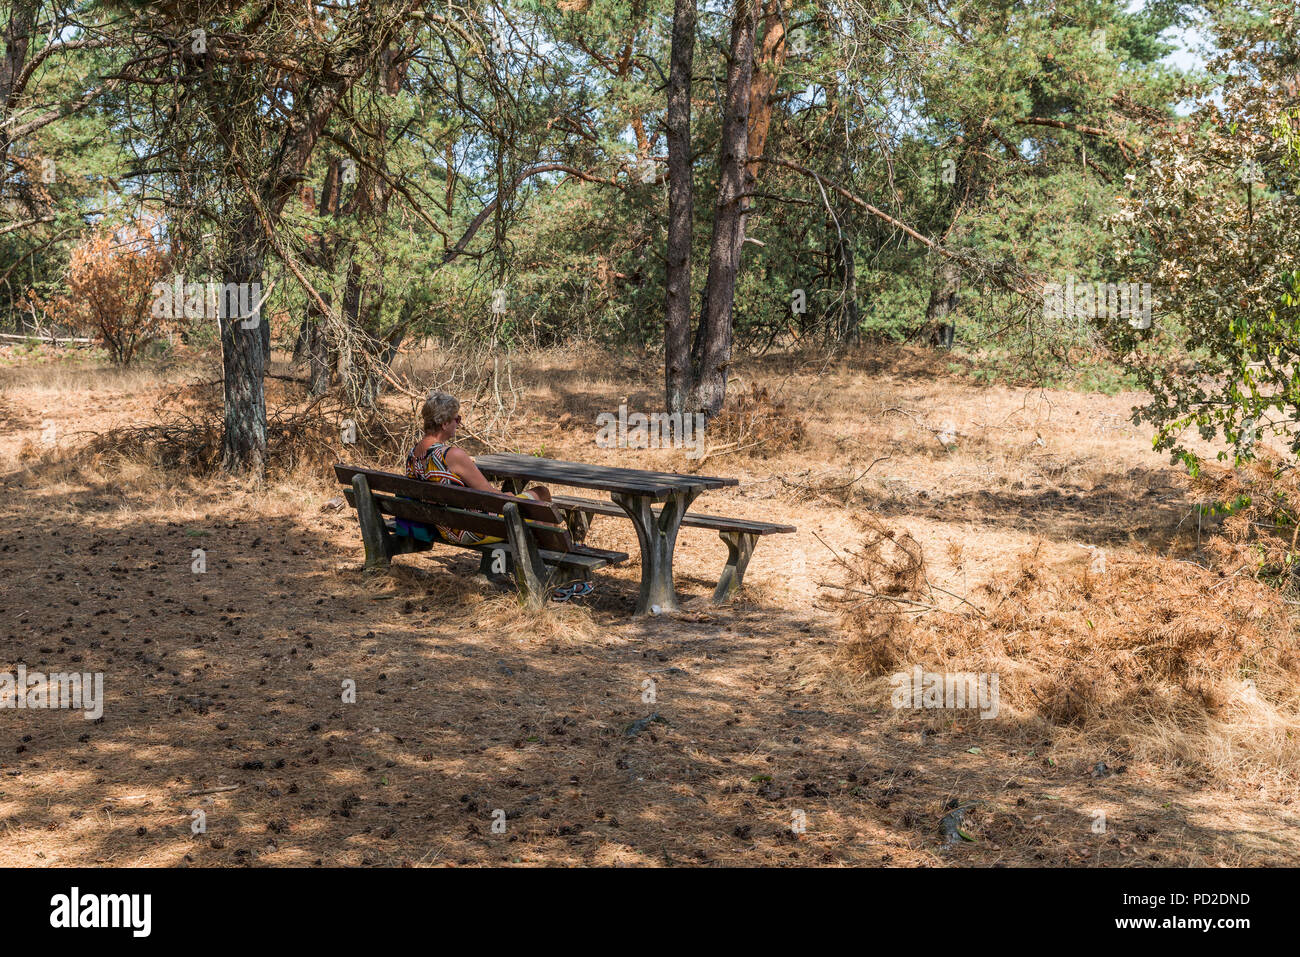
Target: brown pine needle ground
[(701, 738)]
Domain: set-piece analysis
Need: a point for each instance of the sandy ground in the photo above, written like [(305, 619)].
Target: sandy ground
[(468, 713)]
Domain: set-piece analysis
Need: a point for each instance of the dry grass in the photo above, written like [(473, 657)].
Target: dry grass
[(1143, 658), (769, 705)]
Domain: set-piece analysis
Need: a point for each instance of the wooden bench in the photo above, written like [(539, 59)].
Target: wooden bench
[(739, 534), (536, 544)]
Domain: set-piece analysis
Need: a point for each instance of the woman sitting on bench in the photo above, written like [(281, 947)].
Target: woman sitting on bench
[(435, 459)]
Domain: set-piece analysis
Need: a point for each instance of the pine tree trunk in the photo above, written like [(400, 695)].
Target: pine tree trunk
[(16, 36), (940, 314), (849, 332), (353, 373), (243, 441), (681, 200), (315, 345), (712, 350), (316, 351)]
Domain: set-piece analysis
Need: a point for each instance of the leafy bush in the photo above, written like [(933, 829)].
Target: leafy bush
[(1214, 228)]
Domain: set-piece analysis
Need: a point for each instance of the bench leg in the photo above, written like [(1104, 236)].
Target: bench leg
[(740, 546), (658, 537), (374, 533), (531, 574)]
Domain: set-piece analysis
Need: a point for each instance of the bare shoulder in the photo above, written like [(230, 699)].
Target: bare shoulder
[(458, 456)]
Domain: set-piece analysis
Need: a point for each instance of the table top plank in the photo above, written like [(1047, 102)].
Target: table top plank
[(602, 477)]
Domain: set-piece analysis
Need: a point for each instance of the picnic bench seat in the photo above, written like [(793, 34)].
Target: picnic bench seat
[(739, 534), (535, 540)]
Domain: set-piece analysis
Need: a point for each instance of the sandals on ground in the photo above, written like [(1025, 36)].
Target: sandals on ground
[(578, 589)]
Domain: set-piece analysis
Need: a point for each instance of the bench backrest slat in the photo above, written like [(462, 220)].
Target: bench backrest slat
[(547, 536), (449, 495)]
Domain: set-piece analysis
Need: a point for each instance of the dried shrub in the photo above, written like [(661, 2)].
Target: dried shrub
[(1157, 657), (885, 582), (1259, 504), (756, 419), (302, 434), (110, 283)]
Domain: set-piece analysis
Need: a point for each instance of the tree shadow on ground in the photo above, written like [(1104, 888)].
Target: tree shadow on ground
[(477, 735), (1121, 507)]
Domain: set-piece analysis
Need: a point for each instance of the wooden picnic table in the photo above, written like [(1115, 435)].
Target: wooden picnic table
[(634, 491)]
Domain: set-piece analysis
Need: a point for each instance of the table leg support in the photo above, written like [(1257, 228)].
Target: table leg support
[(658, 538), (740, 546)]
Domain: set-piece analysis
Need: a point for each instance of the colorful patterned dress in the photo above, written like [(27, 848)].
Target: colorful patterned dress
[(432, 467)]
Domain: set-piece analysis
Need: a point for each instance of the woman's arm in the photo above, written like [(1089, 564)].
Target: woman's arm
[(460, 462)]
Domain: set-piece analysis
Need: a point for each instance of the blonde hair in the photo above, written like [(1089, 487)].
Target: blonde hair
[(439, 409)]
